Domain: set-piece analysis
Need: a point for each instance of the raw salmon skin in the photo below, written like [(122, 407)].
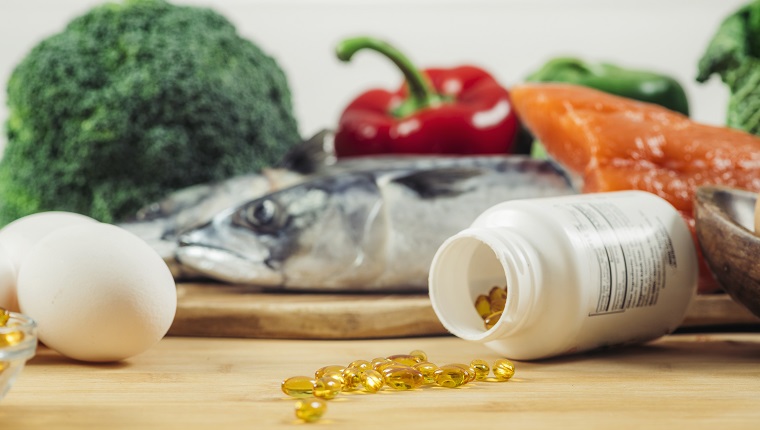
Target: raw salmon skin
[(614, 143)]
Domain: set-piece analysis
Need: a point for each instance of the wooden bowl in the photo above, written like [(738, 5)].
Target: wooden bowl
[(725, 219)]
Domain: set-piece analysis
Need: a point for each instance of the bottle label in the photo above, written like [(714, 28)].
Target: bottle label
[(633, 252)]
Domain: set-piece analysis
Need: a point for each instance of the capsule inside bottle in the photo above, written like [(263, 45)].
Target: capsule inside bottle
[(466, 272)]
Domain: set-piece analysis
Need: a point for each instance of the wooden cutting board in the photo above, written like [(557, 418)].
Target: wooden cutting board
[(217, 310)]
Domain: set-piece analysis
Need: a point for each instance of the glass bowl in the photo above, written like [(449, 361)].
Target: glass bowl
[(18, 343)]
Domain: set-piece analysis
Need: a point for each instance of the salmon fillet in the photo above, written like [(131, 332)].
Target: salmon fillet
[(616, 143)]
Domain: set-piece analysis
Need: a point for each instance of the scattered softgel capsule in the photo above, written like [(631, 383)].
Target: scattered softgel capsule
[(378, 361), (322, 371), (310, 410), (298, 386), (420, 354), (327, 388), (469, 373), (503, 369), (406, 359), (481, 368), (336, 375), (403, 378), (428, 371), (450, 376), (351, 379), (372, 381), (360, 364)]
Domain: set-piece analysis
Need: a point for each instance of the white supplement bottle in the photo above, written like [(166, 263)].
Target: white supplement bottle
[(581, 272)]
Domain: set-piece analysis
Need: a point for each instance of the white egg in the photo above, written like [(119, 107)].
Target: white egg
[(97, 292), (21, 235), (18, 237)]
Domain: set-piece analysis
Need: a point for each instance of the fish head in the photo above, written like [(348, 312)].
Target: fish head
[(326, 226), (161, 222)]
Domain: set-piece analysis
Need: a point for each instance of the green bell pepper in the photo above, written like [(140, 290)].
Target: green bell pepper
[(640, 85)]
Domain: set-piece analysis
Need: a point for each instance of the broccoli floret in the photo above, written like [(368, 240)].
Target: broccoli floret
[(133, 100)]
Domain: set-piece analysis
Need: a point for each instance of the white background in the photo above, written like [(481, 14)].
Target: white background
[(510, 38)]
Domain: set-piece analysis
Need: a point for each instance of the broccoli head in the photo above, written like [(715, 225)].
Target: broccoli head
[(133, 100)]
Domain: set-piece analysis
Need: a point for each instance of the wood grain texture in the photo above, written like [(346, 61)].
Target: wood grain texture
[(236, 311), (678, 382)]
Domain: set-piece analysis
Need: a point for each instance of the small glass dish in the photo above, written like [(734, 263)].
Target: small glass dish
[(18, 343)]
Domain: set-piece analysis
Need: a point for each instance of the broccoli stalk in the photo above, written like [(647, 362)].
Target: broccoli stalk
[(734, 54), (133, 100)]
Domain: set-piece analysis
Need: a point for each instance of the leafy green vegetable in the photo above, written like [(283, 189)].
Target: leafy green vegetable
[(734, 54), (136, 99)]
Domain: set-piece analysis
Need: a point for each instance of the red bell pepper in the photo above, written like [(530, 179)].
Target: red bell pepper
[(461, 110)]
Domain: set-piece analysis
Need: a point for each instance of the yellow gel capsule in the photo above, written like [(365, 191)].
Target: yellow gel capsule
[(469, 373), (428, 371), (310, 410), (326, 388), (11, 338), (378, 361), (372, 380), (406, 359), (450, 376), (498, 298), (335, 375), (483, 306), (492, 319), (419, 354), (4, 316), (503, 369), (360, 364), (481, 368), (298, 386), (331, 368), (382, 366), (351, 379), (403, 378)]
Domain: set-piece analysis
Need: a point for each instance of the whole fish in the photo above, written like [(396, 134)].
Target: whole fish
[(373, 229), (161, 223)]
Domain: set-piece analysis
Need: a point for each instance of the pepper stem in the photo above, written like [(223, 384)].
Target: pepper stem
[(421, 94)]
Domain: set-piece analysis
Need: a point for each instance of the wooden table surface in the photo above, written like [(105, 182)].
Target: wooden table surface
[(683, 381)]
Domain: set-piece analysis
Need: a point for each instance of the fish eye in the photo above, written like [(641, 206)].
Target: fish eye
[(260, 214)]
